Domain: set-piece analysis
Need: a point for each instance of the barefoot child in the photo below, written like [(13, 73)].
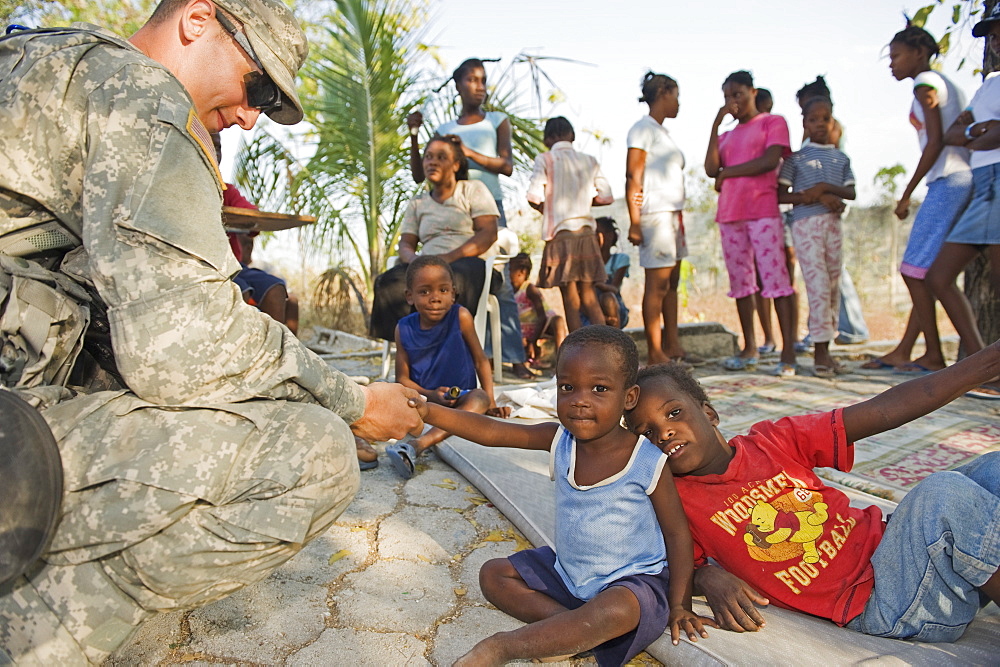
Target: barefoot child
[(563, 187), (815, 180), (757, 507), (537, 319), (439, 355), (606, 586), (616, 265)]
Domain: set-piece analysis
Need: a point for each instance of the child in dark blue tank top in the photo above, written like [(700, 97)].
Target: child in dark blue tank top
[(439, 355)]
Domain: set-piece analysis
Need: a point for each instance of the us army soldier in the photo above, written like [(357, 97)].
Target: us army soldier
[(202, 445)]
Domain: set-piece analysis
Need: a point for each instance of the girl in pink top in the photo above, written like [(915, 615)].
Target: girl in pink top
[(744, 163)]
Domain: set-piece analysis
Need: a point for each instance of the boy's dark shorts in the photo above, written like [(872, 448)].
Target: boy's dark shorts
[(538, 569), (257, 282)]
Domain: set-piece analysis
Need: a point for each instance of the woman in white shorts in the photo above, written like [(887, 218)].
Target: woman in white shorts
[(654, 189)]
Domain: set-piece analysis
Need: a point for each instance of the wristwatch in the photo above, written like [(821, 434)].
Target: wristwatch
[(968, 131)]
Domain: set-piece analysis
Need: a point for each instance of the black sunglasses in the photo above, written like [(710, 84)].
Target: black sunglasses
[(262, 91)]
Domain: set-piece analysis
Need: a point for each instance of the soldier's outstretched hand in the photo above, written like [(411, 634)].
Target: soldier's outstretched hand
[(390, 412)]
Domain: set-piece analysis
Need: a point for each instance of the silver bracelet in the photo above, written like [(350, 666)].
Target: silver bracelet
[(968, 131)]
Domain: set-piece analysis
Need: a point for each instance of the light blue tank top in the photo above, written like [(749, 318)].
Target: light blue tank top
[(482, 138), (609, 530)]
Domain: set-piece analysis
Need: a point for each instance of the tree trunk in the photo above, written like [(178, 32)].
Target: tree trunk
[(985, 302)]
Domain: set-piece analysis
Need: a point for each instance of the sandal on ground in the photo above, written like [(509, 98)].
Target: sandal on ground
[(521, 372), (738, 363), (826, 372), (403, 457), (784, 370), (876, 364), (912, 368), (988, 392), (692, 359), (766, 348)]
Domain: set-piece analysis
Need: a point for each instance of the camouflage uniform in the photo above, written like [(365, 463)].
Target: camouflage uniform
[(226, 445)]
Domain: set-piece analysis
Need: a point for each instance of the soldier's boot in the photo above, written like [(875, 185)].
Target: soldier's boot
[(31, 485)]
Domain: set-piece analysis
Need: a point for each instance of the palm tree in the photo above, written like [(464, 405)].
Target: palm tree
[(359, 84), (351, 170)]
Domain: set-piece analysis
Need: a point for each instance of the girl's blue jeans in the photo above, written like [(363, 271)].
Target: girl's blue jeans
[(941, 544)]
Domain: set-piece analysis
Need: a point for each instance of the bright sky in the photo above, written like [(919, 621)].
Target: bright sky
[(784, 43)]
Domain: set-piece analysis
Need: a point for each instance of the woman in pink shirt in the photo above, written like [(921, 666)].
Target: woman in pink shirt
[(744, 163)]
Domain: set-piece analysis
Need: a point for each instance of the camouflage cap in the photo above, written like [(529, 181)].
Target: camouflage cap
[(279, 43)]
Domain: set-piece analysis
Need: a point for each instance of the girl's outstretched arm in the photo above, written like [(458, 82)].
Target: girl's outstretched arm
[(488, 431), (680, 556), (928, 99), (916, 398)]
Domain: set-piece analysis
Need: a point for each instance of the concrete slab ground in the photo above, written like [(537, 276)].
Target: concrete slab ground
[(395, 581)]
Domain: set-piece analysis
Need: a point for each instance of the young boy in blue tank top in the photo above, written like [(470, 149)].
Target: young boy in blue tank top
[(606, 586), (439, 355)]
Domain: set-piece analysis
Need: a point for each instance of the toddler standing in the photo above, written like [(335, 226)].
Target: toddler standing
[(564, 185), (618, 518), (439, 355), (537, 319), (815, 180)]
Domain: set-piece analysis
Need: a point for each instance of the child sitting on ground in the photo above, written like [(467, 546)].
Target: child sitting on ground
[(757, 507), (563, 187), (815, 180), (616, 266), (606, 586), (537, 319), (439, 355)]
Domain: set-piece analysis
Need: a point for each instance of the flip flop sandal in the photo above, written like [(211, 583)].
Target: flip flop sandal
[(766, 349), (825, 372), (739, 363), (368, 465), (694, 360), (877, 364), (784, 370), (912, 368), (987, 392), (403, 456)]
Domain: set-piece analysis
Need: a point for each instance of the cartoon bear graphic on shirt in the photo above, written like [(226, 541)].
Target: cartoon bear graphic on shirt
[(787, 527)]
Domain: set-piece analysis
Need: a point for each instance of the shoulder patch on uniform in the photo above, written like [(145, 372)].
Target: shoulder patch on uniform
[(201, 135)]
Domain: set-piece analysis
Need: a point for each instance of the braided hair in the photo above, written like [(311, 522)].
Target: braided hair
[(654, 85), (917, 38)]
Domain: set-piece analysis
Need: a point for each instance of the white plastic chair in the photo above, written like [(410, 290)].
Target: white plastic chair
[(507, 245)]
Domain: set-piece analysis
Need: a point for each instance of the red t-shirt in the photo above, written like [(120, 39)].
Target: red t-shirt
[(764, 521), (233, 197), (751, 197)]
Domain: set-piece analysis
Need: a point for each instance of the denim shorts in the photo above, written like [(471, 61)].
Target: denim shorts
[(980, 224), (941, 544), (946, 199)]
